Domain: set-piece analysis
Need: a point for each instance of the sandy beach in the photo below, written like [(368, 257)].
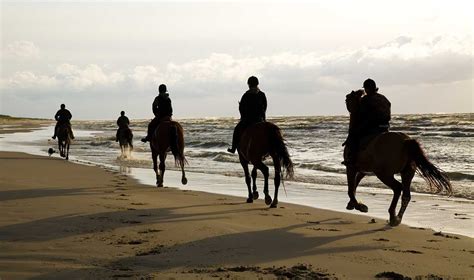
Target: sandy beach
[(68, 221)]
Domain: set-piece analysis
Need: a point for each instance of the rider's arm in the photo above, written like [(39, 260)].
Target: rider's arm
[(264, 104), (154, 107), (56, 117)]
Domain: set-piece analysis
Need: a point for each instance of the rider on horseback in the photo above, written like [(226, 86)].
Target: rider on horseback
[(161, 109), (252, 108), (63, 117), (374, 118), (122, 123)]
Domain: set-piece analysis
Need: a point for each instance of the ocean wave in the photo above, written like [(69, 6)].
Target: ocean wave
[(458, 176), (101, 143), (216, 156), (320, 167), (207, 144), (459, 134)]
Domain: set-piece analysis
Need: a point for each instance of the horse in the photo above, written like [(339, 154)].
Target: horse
[(168, 136), (257, 142), (64, 140), (125, 139), (385, 155)]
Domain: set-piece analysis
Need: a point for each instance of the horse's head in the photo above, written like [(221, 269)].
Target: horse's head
[(353, 100)]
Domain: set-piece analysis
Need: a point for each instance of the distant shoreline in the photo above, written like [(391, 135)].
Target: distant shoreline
[(236, 117)]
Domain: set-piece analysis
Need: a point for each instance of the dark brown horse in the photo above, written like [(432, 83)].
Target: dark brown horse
[(257, 142), (385, 155), (125, 138), (64, 140), (168, 136)]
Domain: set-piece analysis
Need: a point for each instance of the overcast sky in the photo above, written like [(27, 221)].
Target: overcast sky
[(101, 58)]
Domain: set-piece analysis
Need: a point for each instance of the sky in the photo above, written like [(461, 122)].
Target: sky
[(100, 58)]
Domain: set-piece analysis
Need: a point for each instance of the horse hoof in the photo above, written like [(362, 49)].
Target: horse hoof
[(268, 200), (362, 208), (184, 181), (395, 221), (249, 200), (255, 195), (273, 205), (159, 185), (350, 206)]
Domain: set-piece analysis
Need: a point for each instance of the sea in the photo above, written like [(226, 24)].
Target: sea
[(315, 146)]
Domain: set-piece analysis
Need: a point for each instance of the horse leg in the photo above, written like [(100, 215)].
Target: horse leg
[(184, 181), (353, 180), (67, 151), (277, 180), (162, 170), (264, 169), (245, 166), (154, 157), (396, 186), (407, 176), (358, 205), (254, 181)]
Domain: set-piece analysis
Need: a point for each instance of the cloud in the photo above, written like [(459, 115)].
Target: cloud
[(402, 61), (28, 80), (22, 49), (78, 79)]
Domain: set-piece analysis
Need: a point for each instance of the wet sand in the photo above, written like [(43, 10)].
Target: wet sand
[(66, 221)]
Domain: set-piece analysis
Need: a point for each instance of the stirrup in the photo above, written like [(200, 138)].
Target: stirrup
[(231, 150)]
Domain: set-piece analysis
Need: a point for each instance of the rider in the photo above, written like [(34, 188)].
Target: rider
[(122, 123), (161, 109), (252, 108), (63, 116), (374, 116)]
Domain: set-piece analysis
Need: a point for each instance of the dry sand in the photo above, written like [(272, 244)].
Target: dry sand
[(62, 220)]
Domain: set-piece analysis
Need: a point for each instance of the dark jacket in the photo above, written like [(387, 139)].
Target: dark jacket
[(374, 113), (162, 106), (63, 116), (253, 106), (123, 122)]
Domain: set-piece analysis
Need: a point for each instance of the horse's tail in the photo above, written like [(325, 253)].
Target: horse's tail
[(279, 147), (177, 144), (433, 175)]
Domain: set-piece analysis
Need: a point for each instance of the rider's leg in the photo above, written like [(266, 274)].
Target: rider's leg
[(235, 137), (55, 131), (151, 129), (71, 134)]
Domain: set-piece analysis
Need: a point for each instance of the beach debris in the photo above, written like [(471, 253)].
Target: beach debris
[(404, 251), (382, 239), (439, 233), (299, 271)]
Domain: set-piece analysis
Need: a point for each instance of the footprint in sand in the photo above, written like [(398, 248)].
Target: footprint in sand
[(154, 251), (151, 230), (130, 222), (324, 229)]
